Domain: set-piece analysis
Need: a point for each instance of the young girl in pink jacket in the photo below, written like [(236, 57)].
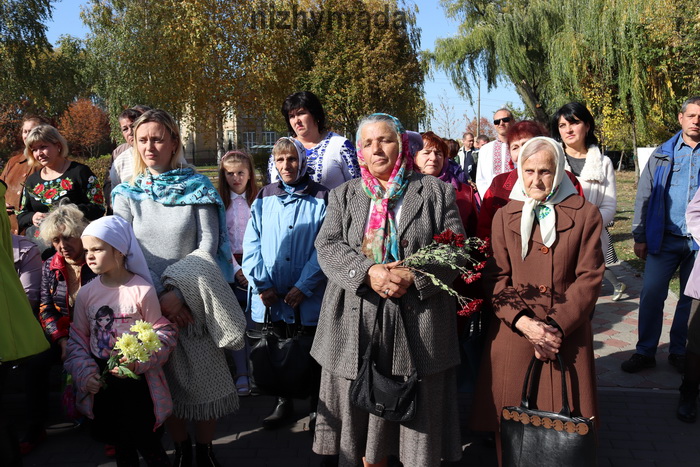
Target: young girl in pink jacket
[(126, 412)]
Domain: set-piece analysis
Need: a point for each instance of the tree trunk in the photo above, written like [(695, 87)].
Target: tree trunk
[(634, 149), (219, 125), (531, 100)]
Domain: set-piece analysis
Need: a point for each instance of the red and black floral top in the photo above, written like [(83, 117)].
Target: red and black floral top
[(78, 184)]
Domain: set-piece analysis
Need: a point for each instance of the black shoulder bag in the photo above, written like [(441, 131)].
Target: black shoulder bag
[(535, 438), (384, 396), (281, 366)]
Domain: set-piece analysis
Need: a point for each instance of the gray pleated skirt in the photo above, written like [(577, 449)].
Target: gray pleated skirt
[(352, 434)]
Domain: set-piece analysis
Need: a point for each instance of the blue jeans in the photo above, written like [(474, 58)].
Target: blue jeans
[(675, 252)]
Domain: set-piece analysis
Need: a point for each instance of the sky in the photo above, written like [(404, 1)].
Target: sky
[(430, 19)]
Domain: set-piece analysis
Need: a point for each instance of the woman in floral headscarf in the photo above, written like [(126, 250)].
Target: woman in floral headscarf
[(371, 223)]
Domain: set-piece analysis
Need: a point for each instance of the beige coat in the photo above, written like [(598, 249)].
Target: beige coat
[(559, 283)]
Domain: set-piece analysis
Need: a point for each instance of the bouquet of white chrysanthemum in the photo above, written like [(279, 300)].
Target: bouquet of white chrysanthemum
[(131, 348)]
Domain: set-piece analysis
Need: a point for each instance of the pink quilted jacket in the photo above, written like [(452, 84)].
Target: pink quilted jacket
[(81, 365)]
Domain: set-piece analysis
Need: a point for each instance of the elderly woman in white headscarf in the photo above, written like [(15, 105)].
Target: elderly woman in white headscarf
[(280, 260), (546, 273)]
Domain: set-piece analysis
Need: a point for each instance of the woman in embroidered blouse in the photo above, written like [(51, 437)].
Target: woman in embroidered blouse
[(58, 178), (574, 126), (331, 158)]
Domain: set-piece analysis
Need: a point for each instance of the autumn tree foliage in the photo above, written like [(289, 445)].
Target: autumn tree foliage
[(195, 58), (362, 57), (86, 127), (204, 59), (485, 127)]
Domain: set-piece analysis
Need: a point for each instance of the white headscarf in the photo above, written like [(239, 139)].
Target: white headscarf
[(119, 233), (562, 188)]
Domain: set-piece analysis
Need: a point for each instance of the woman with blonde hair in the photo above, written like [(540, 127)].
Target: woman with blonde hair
[(57, 178), (179, 220)]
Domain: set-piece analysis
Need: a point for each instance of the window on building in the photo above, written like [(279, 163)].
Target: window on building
[(269, 138), (248, 140)]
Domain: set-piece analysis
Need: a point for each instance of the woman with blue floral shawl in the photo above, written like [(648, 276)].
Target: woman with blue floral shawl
[(174, 212), (372, 222)]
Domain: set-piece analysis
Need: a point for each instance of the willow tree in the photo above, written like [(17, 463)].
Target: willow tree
[(22, 41), (501, 40)]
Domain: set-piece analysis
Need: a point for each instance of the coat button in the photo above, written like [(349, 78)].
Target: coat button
[(543, 288), (404, 243), (351, 273), (544, 250)]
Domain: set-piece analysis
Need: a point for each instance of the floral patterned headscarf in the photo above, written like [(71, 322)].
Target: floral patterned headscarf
[(381, 242)]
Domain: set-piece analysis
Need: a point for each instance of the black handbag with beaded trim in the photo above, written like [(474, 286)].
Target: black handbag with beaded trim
[(536, 438)]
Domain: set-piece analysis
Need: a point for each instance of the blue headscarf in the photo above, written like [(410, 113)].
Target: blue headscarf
[(181, 187)]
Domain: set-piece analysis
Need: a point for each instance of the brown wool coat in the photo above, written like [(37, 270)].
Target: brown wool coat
[(560, 283), (15, 174)]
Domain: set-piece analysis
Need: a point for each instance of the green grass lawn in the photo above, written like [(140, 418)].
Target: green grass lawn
[(621, 232)]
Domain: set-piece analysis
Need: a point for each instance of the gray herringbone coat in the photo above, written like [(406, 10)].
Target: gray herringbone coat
[(428, 313)]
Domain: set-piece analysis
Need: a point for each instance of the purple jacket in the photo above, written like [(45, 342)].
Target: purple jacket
[(692, 220)]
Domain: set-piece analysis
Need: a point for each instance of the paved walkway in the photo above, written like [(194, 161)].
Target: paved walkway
[(638, 427)]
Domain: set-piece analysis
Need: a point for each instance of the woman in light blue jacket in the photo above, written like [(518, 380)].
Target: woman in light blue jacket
[(279, 258)]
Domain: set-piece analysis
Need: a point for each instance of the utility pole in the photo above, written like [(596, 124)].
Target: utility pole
[(478, 108)]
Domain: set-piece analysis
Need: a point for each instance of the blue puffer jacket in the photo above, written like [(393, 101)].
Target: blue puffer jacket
[(649, 223), (279, 252)]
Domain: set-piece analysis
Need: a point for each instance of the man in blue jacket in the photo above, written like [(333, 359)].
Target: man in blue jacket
[(668, 183)]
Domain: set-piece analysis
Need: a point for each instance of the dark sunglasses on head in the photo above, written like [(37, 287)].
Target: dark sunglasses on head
[(504, 120)]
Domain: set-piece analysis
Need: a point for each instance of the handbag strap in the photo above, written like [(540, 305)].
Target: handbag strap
[(530, 378), (298, 328), (369, 351)]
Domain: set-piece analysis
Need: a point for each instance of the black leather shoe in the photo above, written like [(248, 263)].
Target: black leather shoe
[(312, 422), (677, 361), (205, 456), (281, 414), (687, 410), (183, 453), (638, 362)]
